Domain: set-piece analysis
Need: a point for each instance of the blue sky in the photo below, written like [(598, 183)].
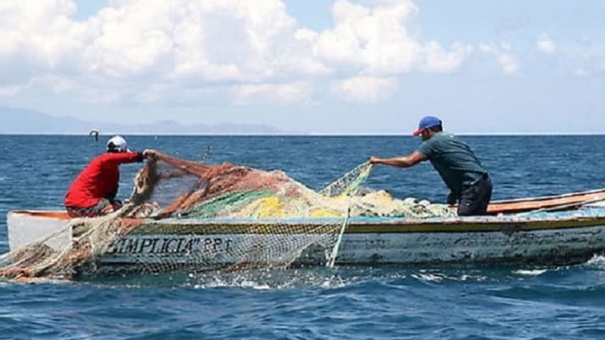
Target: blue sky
[(315, 66)]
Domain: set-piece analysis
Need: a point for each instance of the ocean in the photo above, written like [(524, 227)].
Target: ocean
[(425, 302)]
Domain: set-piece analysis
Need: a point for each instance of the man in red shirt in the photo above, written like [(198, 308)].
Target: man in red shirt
[(93, 192)]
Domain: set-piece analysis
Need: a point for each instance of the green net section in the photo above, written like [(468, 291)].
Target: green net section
[(188, 215)]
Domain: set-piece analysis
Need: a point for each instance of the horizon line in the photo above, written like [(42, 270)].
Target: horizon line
[(309, 134)]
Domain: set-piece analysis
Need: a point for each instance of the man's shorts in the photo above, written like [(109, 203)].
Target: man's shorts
[(104, 207)]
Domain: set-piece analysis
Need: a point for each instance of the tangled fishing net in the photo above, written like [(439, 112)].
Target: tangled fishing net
[(184, 214)]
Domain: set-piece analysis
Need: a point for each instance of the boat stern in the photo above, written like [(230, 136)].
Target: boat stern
[(26, 226)]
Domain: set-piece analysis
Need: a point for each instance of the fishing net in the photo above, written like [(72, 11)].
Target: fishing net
[(184, 214)]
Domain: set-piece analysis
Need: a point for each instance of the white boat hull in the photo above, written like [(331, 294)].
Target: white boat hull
[(155, 246), (373, 248)]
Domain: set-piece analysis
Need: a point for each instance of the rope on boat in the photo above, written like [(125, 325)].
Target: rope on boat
[(353, 180), (334, 253)]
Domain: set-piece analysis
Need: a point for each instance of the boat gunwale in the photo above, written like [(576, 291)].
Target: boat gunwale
[(591, 216), (457, 225)]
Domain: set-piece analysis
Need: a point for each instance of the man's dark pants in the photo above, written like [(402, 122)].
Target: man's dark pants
[(475, 198)]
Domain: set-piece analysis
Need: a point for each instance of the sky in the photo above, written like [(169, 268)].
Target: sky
[(311, 66)]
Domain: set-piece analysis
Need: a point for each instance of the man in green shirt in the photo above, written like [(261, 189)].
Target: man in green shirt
[(469, 183)]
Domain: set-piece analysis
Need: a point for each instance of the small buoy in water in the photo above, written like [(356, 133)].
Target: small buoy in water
[(95, 133)]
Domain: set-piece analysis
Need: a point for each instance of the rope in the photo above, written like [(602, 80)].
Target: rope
[(334, 253), (351, 181)]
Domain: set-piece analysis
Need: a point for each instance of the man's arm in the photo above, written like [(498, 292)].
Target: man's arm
[(130, 157), (124, 157), (400, 162)]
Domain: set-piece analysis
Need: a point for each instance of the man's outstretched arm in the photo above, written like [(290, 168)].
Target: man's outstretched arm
[(400, 162)]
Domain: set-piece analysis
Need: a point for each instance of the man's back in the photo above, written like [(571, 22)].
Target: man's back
[(453, 159), (99, 179)]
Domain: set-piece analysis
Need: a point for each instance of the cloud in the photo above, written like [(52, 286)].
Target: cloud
[(131, 48), (129, 41), (37, 38), (365, 89), (377, 39), (507, 61), (373, 38), (296, 92), (102, 97), (545, 44), (438, 60)]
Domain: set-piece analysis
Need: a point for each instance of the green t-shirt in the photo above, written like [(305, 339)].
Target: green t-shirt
[(453, 159)]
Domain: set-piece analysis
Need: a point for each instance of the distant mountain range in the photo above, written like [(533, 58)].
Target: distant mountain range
[(23, 121)]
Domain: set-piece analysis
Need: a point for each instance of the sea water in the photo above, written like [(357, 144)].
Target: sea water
[(395, 302)]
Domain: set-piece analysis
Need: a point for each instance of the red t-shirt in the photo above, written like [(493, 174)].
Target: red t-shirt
[(100, 179)]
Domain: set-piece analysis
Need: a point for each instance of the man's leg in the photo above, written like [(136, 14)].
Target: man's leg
[(104, 207), (475, 199), (485, 195)]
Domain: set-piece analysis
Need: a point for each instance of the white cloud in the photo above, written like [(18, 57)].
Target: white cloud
[(55, 83), (372, 38), (296, 92), (377, 39), (545, 44), (129, 40), (365, 89), (102, 96), (137, 50), (439, 60), (38, 37), (507, 61)]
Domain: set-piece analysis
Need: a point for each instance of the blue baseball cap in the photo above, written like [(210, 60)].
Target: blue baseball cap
[(425, 123)]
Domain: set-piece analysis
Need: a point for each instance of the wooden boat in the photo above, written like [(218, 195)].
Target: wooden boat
[(563, 229)]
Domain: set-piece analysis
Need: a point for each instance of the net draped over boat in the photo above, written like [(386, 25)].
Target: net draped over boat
[(265, 219)]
